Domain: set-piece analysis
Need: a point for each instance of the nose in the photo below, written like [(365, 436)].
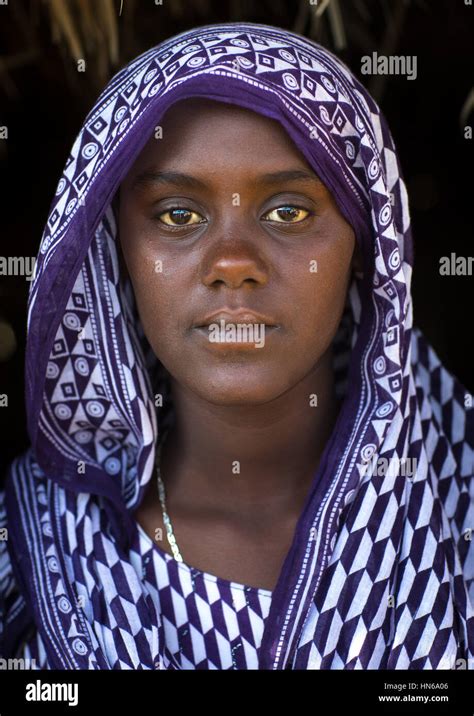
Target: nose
[(233, 262)]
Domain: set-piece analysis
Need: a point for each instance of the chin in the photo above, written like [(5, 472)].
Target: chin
[(244, 388)]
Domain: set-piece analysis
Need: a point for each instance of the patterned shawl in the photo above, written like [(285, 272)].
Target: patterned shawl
[(380, 573)]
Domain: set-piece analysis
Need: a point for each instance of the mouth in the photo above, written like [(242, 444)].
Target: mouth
[(235, 330), (235, 317)]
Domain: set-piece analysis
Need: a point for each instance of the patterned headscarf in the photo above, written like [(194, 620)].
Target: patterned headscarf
[(380, 573)]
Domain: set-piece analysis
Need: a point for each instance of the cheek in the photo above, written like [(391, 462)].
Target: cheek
[(158, 307), (320, 291), (157, 293)]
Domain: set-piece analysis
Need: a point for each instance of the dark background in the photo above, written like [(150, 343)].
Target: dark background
[(44, 100)]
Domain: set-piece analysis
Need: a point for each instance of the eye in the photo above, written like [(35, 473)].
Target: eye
[(177, 216), (288, 213)]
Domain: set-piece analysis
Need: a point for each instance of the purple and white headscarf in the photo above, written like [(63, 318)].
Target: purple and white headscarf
[(380, 574)]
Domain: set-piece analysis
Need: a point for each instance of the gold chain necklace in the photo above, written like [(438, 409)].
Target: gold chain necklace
[(161, 494)]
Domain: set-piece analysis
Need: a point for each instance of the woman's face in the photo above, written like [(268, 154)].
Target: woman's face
[(215, 218)]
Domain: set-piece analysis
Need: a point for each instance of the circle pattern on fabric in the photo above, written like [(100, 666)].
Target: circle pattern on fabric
[(380, 365), (112, 466), (71, 321), (350, 151), (374, 169), (368, 452), (290, 81), (79, 647), (83, 437), (149, 76), (62, 412), (285, 55), (324, 114), (52, 370), (244, 62), (90, 150), (82, 366), (384, 410), (123, 125), (119, 114), (53, 564), (359, 124), (394, 259), (385, 214), (71, 206), (61, 186), (156, 88), (64, 605), (95, 409), (196, 61), (239, 43), (328, 84)]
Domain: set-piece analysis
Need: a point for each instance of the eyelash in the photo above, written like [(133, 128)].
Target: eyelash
[(190, 211)]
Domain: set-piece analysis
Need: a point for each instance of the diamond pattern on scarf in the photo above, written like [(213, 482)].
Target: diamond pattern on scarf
[(209, 623)]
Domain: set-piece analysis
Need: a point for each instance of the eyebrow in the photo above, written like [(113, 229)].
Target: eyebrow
[(187, 181)]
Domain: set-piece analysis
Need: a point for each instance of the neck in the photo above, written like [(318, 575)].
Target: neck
[(246, 460)]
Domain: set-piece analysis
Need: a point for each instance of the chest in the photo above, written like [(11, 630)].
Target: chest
[(236, 550)]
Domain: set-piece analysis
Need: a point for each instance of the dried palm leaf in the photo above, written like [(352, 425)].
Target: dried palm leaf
[(62, 18)]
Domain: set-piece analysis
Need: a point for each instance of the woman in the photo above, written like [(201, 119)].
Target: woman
[(243, 455)]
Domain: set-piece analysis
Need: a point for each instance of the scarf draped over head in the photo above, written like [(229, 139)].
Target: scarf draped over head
[(380, 573)]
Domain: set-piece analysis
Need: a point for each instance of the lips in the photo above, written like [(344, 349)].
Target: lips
[(241, 316)]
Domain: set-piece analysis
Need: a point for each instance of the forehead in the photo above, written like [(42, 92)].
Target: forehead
[(203, 109), (204, 131)]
